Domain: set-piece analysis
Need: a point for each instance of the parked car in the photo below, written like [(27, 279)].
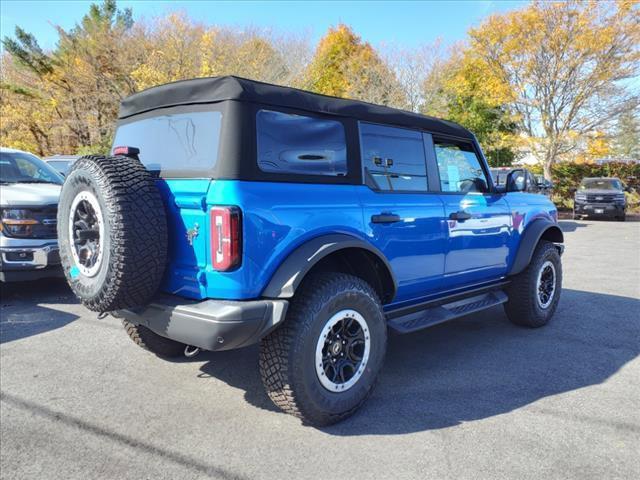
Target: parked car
[(545, 185), (28, 200), (600, 197), (523, 177), (233, 212), (61, 163)]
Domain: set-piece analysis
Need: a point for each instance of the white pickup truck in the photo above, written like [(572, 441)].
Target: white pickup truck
[(29, 190)]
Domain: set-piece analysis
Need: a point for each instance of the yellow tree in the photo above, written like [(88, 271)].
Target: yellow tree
[(345, 66), (598, 146), (456, 89), (563, 64)]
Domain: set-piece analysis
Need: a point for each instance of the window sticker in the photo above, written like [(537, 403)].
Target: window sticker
[(453, 175)]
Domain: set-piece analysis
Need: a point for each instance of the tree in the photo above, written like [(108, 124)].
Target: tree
[(454, 89), (598, 146), (562, 66), (626, 141), (67, 100), (71, 95), (345, 66), (420, 73)]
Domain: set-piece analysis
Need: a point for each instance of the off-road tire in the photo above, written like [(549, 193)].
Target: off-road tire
[(622, 218), (522, 308), (287, 355), (135, 232), (151, 341)]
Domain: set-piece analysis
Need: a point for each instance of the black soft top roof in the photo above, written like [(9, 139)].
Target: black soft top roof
[(218, 89)]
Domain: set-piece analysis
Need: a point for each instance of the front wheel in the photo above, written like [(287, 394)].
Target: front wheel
[(535, 292), (322, 363)]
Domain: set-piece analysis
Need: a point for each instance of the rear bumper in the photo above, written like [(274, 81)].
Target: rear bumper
[(209, 324)]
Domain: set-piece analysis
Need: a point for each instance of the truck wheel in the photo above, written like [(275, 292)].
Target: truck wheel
[(149, 340), (112, 233), (535, 292), (322, 363)]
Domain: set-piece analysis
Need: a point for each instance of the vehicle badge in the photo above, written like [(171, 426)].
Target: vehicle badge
[(193, 233)]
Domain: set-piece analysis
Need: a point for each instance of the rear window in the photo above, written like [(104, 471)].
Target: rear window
[(298, 144), (184, 143)]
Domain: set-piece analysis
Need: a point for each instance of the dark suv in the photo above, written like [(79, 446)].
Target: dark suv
[(234, 212), (600, 197)]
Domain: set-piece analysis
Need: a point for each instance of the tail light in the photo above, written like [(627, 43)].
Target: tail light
[(226, 238), (126, 151)]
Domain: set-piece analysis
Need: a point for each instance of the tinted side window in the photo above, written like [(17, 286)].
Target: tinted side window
[(393, 157), (459, 167), (289, 143)]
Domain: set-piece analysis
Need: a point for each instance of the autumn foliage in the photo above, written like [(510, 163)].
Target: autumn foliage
[(556, 79)]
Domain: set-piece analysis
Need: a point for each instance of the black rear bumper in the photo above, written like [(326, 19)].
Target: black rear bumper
[(209, 324)]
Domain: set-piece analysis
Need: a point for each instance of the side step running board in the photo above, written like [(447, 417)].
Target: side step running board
[(448, 311)]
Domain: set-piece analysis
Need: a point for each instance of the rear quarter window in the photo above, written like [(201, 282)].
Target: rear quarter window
[(180, 142), (297, 144), (393, 157)]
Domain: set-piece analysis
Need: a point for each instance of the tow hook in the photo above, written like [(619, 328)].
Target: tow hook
[(190, 351)]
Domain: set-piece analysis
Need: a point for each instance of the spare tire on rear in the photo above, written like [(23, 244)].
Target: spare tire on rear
[(112, 232)]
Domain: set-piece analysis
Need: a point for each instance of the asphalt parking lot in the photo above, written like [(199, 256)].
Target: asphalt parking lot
[(474, 398)]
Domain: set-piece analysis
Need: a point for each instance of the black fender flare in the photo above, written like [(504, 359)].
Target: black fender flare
[(290, 273), (529, 240)]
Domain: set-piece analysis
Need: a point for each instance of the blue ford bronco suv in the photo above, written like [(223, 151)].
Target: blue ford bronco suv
[(234, 212)]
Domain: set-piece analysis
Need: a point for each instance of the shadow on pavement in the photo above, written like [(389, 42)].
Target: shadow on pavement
[(22, 314), (476, 367), (571, 225)]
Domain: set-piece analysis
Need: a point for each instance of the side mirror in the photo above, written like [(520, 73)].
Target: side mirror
[(516, 181), (573, 190), (627, 189)]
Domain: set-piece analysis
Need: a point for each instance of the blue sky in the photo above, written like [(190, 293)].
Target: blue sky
[(399, 23)]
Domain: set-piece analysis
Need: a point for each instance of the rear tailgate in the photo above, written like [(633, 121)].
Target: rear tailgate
[(185, 202)]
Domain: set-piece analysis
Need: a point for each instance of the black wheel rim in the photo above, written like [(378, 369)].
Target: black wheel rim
[(546, 284), (342, 350), (86, 230)]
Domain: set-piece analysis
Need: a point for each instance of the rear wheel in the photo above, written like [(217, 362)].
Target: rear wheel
[(149, 340), (322, 363), (534, 293)]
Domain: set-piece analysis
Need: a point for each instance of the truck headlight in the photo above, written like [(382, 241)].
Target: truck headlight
[(17, 222)]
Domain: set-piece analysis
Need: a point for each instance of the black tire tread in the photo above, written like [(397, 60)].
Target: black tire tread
[(521, 307), (151, 341), (276, 349), (138, 233)]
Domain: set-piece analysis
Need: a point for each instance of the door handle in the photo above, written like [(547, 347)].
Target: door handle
[(385, 218), (460, 216)]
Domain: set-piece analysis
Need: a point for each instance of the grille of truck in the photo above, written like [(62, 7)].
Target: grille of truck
[(601, 198)]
